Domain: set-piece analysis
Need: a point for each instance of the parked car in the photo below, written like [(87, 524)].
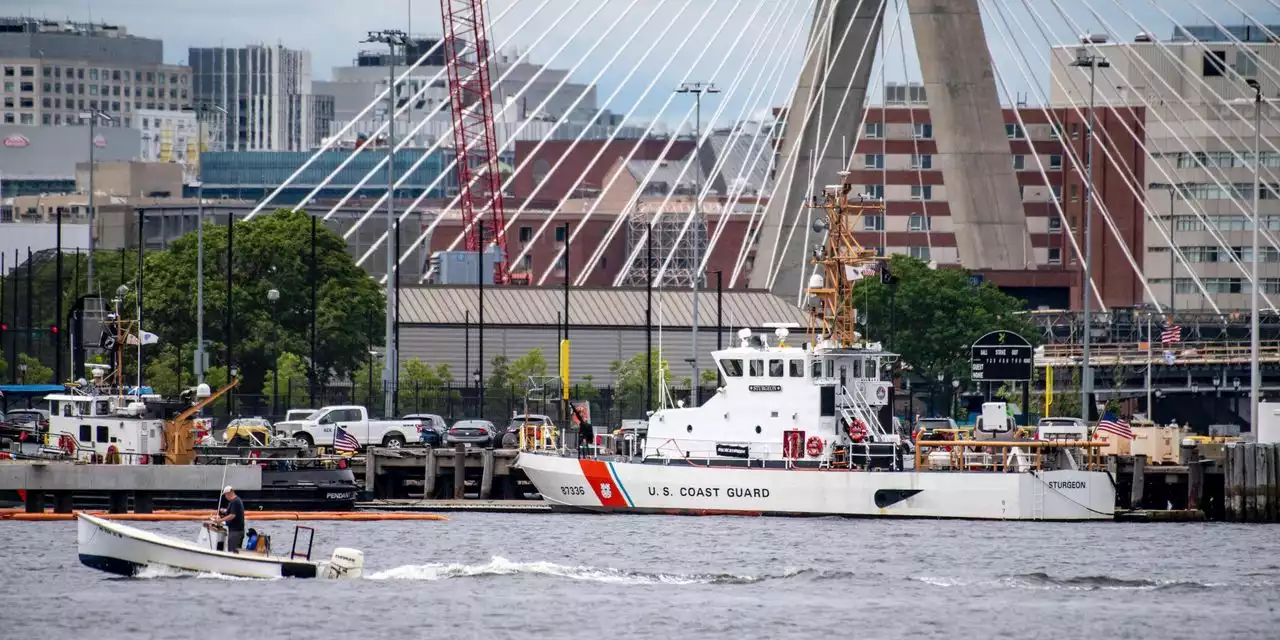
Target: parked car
[(35, 418), (511, 435), (474, 432), (321, 427), (431, 428)]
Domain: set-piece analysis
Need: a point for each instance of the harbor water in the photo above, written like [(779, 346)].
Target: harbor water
[(607, 577)]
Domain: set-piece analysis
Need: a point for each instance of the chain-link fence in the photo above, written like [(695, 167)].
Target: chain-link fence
[(609, 405)]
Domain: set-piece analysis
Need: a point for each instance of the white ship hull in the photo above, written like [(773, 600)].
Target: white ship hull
[(682, 488), (117, 548)]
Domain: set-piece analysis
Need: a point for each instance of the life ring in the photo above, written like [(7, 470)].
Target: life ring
[(113, 455), (67, 444), (857, 430), (814, 446)]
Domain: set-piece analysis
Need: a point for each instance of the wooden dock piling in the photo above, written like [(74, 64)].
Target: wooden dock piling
[(1230, 484), (486, 475), (459, 472), (1139, 482), (1195, 484), (429, 476), (1249, 484), (1262, 491)]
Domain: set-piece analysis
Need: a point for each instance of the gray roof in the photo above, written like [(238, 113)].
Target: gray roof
[(533, 306), (745, 166)]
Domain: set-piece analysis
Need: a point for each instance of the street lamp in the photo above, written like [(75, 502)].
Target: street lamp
[(1093, 62), (697, 89), (200, 362), (1255, 374), (1173, 255), (92, 115), (392, 38), (480, 388), (274, 296), (22, 373)]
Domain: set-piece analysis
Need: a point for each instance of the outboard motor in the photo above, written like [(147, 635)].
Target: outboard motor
[(346, 563)]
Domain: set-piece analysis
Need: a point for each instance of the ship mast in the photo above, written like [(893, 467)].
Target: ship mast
[(842, 261)]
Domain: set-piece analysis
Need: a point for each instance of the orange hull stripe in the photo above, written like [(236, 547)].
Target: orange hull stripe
[(597, 475)]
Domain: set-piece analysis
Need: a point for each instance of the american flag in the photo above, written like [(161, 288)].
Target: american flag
[(1171, 334), (344, 442), (1115, 425)]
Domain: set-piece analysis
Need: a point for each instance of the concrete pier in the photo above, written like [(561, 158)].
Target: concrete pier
[(431, 473), (121, 482)]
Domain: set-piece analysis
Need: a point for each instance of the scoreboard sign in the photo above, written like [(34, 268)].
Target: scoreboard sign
[(1001, 356)]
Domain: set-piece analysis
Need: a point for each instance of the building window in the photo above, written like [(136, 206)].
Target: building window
[(26, 118), (1013, 131), (873, 223), (8, 72), (526, 234), (1246, 63), (1075, 130), (46, 103), (27, 87), (874, 161), (1055, 255), (1215, 64), (8, 87), (1019, 162), (921, 192), (560, 234), (1057, 192), (27, 103), (923, 130), (1055, 161), (93, 74), (919, 253), (1075, 192), (93, 89), (115, 75), (874, 130), (874, 191), (8, 118), (28, 72), (921, 161), (1055, 224), (920, 223), (45, 119)]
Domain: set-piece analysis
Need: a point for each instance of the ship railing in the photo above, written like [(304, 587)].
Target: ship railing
[(290, 463), (1004, 455), (861, 410)]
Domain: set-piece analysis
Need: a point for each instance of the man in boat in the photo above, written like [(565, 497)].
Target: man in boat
[(232, 515)]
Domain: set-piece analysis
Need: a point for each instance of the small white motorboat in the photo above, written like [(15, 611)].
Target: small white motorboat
[(117, 548)]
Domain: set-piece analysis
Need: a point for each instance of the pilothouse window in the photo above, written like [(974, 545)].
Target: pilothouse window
[(775, 368), (757, 368), (732, 368), (796, 368), (102, 434), (816, 368)]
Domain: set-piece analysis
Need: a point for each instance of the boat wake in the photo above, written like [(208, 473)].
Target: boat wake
[(1041, 580), (156, 571), (498, 566)]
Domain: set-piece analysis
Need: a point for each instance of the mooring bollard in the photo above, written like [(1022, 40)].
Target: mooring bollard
[(486, 476)]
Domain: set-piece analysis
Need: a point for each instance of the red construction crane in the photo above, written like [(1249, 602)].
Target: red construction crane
[(466, 50)]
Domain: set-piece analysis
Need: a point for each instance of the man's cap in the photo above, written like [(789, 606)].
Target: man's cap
[(226, 489)]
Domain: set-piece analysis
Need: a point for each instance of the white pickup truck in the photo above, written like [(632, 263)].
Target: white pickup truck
[(320, 427)]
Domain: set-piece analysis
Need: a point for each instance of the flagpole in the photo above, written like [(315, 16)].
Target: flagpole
[(1151, 412)]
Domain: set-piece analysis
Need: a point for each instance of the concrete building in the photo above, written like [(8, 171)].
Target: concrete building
[(51, 71), (42, 160), (266, 91), (353, 87), (1197, 144)]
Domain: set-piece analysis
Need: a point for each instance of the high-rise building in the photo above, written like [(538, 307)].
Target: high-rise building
[(1198, 163), (52, 71), (266, 93)]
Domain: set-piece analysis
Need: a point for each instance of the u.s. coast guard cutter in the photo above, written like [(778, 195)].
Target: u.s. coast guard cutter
[(795, 430)]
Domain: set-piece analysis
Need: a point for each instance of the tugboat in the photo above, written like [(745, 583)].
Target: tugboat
[(104, 421), (797, 430)]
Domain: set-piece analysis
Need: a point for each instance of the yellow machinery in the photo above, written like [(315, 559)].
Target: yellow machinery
[(178, 438)]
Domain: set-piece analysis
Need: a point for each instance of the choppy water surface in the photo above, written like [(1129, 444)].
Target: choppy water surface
[(604, 577)]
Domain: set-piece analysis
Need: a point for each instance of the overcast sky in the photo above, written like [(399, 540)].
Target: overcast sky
[(332, 30)]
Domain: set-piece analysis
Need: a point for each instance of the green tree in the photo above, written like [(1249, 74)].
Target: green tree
[(272, 251), (530, 364), (935, 317), (4, 367), (35, 373), (292, 384), (424, 388), (630, 388)]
